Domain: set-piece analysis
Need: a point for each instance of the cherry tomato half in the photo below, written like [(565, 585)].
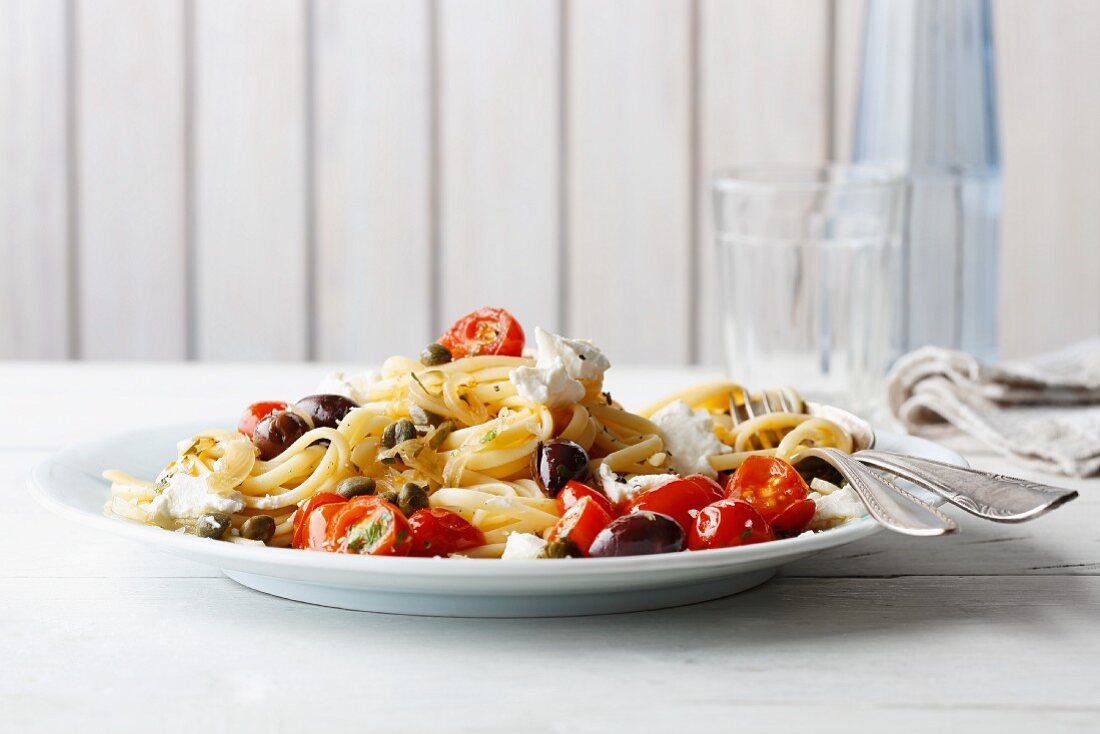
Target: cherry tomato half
[(770, 485), (795, 518), (574, 491), (440, 532), (485, 331), (255, 413), (369, 526), (727, 523), (680, 499), (581, 523), (302, 533)]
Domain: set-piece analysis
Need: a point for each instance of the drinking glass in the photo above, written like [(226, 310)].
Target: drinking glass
[(810, 263)]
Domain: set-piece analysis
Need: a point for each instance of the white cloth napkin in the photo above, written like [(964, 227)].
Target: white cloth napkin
[(1043, 413)]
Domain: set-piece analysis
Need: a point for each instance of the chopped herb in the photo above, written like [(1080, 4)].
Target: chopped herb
[(492, 434), (367, 536), (564, 473), (746, 533), (401, 535)]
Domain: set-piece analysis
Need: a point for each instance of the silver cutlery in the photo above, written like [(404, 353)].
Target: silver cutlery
[(987, 495), (893, 507)]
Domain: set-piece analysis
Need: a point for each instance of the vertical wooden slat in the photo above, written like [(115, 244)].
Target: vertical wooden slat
[(252, 279), (34, 301), (629, 177), (847, 51), (765, 99), (132, 264), (1049, 93), (373, 169), (499, 152)]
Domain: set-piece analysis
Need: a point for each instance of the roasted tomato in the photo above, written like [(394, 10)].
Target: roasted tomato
[(440, 532), (727, 523), (680, 499), (303, 524), (369, 525), (573, 492), (485, 331), (581, 523), (795, 518), (773, 487), (255, 413)]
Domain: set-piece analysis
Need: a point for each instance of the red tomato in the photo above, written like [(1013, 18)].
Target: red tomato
[(796, 517), (315, 530), (581, 523), (574, 491), (255, 413), (708, 484), (485, 331), (680, 499), (727, 523), (770, 485), (440, 532), (369, 526), (302, 534)]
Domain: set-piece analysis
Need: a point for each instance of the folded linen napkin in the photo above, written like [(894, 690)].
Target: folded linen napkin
[(1043, 413)]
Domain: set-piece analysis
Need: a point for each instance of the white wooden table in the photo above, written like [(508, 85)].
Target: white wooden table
[(998, 626)]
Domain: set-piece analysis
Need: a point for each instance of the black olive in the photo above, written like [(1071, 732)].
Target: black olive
[(276, 432), (326, 411), (638, 534), (557, 462)]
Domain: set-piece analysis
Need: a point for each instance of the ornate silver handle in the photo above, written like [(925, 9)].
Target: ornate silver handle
[(893, 507), (984, 494)]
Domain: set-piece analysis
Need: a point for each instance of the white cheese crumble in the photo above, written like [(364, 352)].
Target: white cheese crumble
[(835, 508), (623, 492), (689, 437), (523, 545), (356, 387), (185, 496), (562, 369)]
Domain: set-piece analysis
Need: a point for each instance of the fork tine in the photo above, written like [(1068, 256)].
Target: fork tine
[(767, 403), (749, 412), (785, 400), (733, 409)]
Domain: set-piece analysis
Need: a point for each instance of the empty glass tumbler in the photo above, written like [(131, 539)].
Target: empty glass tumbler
[(810, 272)]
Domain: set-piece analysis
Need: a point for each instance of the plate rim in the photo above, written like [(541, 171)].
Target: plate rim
[(237, 556)]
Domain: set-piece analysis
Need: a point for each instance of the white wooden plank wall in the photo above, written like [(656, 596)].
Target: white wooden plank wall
[(291, 179)]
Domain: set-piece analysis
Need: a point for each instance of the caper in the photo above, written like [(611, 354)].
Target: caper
[(435, 354), (389, 496), (445, 428), (423, 417), (389, 436), (355, 487), (564, 548), (259, 527), (212, 525), (413, 497), (403, 431)]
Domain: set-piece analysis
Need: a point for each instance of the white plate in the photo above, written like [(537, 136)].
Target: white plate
[(69, 483)]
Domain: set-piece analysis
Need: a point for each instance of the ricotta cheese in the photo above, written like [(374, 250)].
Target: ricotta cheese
[(356, 387), (835, 507), (523, 545), (689, 438), (623, 492), (562, 369), (550, 386), (185, 496)]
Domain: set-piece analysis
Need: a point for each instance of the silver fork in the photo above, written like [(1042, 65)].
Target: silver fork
[(893, 507)]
